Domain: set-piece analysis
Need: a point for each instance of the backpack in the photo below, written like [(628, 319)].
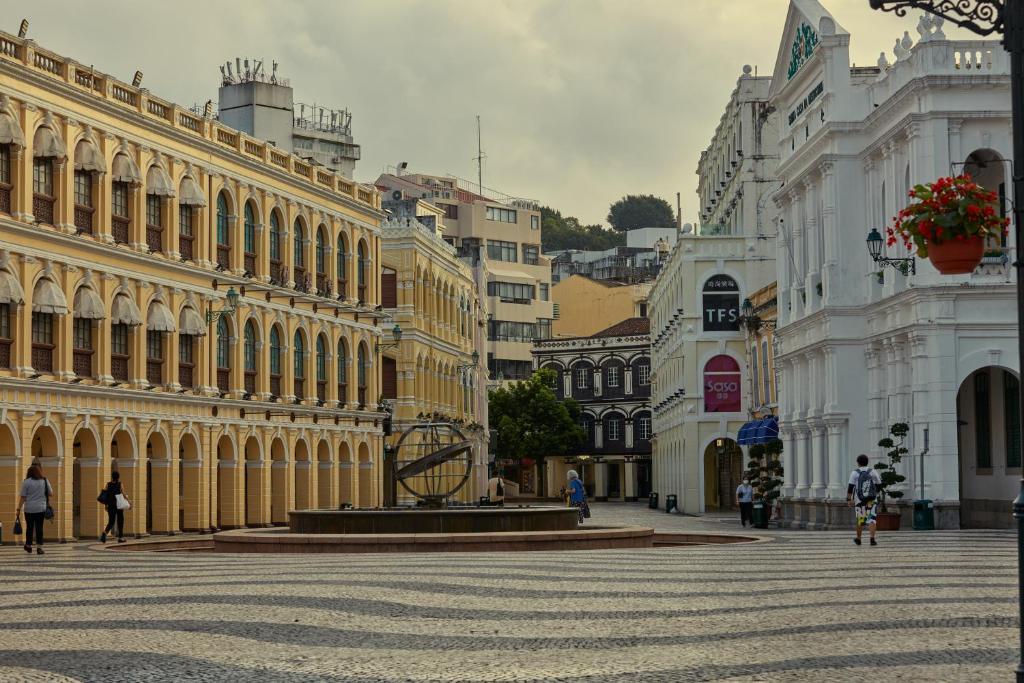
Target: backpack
[(499, 489), (867, 489)]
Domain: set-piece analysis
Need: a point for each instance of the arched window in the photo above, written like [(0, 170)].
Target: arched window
[(186, 360), (321, 368), (299, 256), (300, 366), (223, 233), (250, 239), (223, 354), (323, 283), (275, 362), (613, 428), (361, 368), (587, 424), (765, 376), (276, 276), (6, 179), (755, 382), (154, 223), (120, 351), (343, 361), (342, 258), (42, 342), (250, 358), (361, 272), (85, 205)]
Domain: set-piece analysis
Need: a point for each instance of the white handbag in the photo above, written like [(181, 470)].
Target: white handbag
[(122, 502)]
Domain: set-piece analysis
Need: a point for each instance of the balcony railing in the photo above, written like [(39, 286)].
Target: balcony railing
[(155, 372), (321, 390), (83, 218), (119, 368), (223, 256), (300, 388), (223, 377), (342, 394), (250, 263), (81, 362), (250, 382), (278, 275), (155, 238), (42, 208), (185, 247), (42, 357), (119, 226), (185, 375), (275, 385), (5, 198)]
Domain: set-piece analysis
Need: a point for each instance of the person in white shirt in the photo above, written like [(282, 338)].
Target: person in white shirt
[(745, 499), (496, 491), (865, 484)]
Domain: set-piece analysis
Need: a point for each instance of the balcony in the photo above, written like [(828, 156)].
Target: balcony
[(223, 379), (81, 362), (275, 385), (223, 257), (155, 372), (83, 219), (155, 238), (185, 247), (250, 382), (42, 357), (42, 208), (185, 375), (119, 368), (119, 226)]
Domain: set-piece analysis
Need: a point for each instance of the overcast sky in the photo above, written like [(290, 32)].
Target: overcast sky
[(582, 101)]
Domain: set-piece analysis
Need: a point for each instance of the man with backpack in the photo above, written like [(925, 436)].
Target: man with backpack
[(865, 483)]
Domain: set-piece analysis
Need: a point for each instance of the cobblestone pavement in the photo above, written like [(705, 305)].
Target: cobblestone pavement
[(806, 606)]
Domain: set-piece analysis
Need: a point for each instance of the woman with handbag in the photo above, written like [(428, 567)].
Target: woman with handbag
[(35, 499), (116, 502)]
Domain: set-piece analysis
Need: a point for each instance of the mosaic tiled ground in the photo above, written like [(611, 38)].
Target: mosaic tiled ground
[(935, 606)]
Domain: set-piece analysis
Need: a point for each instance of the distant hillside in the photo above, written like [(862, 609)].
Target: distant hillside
[(566, 232)]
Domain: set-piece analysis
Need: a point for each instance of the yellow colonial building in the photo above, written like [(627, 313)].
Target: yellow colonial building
[(181, 303), (585, 306), (435, 373)]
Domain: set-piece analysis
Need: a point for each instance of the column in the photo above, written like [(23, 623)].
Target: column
[(629, 482), (818, 459), (836, 479), (802, 489), (601, 481)]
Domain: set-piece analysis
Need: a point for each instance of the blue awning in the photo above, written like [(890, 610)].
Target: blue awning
[(767, 430), (746, 434)]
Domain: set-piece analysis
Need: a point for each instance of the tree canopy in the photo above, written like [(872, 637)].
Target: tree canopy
[(641, 211), (566, 232), (531, 421)]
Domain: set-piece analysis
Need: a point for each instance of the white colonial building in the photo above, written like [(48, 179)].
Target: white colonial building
[(864, 346), (698, 349)]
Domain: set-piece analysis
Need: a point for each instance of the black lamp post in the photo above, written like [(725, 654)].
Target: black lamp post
[(986, 17), (396, 334)]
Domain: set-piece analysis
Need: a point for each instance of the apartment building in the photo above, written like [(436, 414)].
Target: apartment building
[(501, 237)]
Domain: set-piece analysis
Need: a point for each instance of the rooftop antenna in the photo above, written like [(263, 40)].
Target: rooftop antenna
[(230, 75), (273, 73), (238, 67), (480, 156)]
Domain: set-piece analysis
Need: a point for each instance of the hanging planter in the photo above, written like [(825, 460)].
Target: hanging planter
[(949, 223)]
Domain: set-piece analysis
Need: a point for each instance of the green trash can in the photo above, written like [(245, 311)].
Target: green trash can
[(759, 517), (652, 501), (670, 503), (924, 515)]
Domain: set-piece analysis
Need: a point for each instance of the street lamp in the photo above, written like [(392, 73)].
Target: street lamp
[(229, 308), (986, 17), (906, 266), (396, 334), (752, 321), (468, 366)]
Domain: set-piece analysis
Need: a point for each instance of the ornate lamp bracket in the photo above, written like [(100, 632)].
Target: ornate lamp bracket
[(983, 17)]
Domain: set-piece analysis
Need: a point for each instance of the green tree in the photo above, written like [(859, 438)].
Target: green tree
[(641, 211), (566, 232), (532, 422)]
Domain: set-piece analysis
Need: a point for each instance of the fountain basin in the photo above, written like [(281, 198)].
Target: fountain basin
[(475, 520)]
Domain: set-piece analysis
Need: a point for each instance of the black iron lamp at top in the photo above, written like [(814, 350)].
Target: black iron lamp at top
[(396, 334), (469, 366)]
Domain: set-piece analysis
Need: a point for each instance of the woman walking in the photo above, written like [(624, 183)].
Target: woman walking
[(34, 498), (112, 490), (577, 494)]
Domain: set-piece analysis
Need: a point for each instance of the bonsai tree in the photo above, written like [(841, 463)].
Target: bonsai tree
[(765, 471), (893, 456)]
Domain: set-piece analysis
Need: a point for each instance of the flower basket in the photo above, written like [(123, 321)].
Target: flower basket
[(949, 223), (957, 257)]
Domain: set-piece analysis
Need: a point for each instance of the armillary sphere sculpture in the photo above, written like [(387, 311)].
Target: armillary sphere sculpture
[(433, 460)]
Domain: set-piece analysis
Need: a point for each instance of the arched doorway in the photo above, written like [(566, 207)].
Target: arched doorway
[(123, 461), (988, 443), (278, 484), (325, 479), (303, 475), (254, 483), (344, 474), (11, 474), (366, 498), (190, 468), (229, 503), (87, 515), (161, 513), (723, 472)]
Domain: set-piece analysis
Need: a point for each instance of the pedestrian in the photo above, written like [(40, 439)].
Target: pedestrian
[(496, 491), (35, 499), (866, 483), (577, 495), (745, 499), (115, 514)]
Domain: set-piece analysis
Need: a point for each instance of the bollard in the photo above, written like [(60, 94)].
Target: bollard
[(652, 501), (670, 503)]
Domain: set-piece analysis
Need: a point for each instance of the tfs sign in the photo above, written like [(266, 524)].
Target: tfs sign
[(721, 304)]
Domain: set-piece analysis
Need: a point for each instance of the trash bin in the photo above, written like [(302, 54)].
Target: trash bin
[(924, 515), (670, 503), (652, 501), (759, 516)]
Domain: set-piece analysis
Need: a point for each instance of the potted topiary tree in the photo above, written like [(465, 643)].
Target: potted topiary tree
[(764, 471), (886, 520)]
